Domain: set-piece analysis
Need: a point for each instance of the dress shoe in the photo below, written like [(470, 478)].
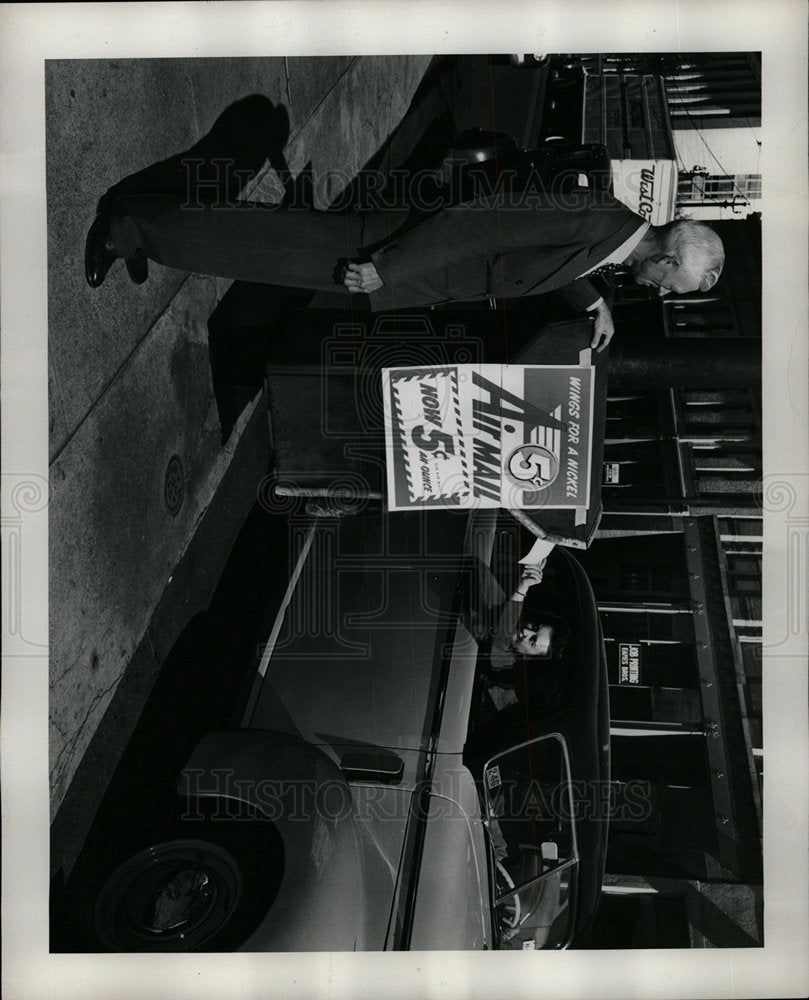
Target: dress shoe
[(99, 252), (137, 267)]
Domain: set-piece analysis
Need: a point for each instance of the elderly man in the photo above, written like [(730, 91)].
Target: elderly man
[(496, 245)]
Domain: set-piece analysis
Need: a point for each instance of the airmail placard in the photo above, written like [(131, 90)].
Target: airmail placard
[(513, 436)]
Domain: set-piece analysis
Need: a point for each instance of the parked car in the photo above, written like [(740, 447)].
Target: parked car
[(377, 794)]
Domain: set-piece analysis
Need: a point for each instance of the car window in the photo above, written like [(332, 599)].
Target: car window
[(532, 844), (508, 707), (509, 699), (556, 593)]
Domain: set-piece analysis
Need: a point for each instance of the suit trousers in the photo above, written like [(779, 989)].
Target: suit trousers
[(248, 241)]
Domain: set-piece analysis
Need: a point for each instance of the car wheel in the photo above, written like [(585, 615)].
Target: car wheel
[(201, 893)]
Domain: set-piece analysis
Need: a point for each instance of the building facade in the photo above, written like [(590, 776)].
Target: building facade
[(676, 569), (713, 121)]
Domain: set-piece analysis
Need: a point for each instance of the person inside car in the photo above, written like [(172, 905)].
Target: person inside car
[(518, 640)]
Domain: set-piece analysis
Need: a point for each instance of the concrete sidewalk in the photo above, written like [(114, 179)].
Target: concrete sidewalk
[(133, 420)]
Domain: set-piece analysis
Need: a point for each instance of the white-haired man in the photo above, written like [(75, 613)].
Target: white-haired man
[(681, 256)]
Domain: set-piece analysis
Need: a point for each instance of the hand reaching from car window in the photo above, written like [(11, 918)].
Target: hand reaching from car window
[(530, 575)]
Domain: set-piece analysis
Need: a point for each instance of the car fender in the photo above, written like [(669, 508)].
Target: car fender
[(319, 905)]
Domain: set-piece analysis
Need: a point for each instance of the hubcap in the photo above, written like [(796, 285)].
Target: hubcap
[(174, 896), (181, 899)]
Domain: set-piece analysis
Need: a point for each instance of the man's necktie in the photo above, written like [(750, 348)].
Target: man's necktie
[(604, 271)]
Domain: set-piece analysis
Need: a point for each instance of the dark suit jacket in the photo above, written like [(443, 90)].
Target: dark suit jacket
[(505, 246)]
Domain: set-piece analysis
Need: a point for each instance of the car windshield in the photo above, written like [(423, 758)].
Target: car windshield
[(528, 809)]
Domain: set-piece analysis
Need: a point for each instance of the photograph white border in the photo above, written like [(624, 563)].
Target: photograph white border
[(31, 34)]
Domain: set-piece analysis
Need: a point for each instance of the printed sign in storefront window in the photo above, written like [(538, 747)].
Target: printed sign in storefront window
[(612, 473), (629, 663), (513, 436)]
